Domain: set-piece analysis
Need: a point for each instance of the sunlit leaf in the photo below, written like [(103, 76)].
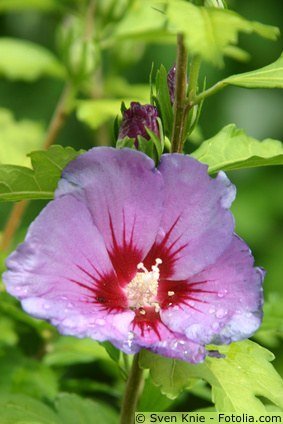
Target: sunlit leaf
[(8, 334), (18, 182), (73, 410), (232, 149), (119, 87), (24, 60), (19, 5), (17, 139), (236, 380), (210, 31), (270, 76), (143, 22), (95, 113)]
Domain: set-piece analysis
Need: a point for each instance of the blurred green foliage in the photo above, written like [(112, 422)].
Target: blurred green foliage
[(34, 360)]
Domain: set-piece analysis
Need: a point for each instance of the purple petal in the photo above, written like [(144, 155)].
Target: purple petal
[(196, 226), (124, 194), (227, 304), (56, 270)]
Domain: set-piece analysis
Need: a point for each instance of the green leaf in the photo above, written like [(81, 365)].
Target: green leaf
[(26, 376), (8, 334), (236, 380), (21, 409), (151, 398), (19, 5), (18, 182), (17, 139), (209, 31), (270, 76), (170, 375), (70, 350), (126, 143), (232, 149), (112, 351), (24, 60), (74, 410)]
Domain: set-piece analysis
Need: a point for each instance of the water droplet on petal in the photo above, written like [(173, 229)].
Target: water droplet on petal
[(222, 293), (63, 298), (131, 335), (46, 306), (221, 313), (212, 310), (100, 321), (215, 326)]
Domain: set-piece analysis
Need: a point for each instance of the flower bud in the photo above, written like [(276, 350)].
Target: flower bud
[(79, 54), (135, 121)]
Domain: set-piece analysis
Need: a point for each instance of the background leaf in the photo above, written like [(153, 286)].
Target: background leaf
[(21, 409), (27, 376), (16, 5), (74, 410), (70, 350), (17, 139), (142, 22), (24, 60), (271, 330), (232, 149), (94, 113), (210, 31), (17, 182)]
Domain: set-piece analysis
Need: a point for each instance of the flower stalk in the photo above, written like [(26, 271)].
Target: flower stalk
[(132, 392), (180, 96)]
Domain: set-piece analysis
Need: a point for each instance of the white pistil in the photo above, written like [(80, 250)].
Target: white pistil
[(143, 288)]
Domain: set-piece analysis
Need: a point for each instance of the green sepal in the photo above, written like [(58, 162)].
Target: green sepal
[(126, 142), (162, 100)]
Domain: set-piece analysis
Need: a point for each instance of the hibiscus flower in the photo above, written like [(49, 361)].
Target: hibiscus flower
[(143, 257)]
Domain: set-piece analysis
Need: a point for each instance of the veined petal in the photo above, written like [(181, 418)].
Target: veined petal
[(196, 226), (150, 332), (124, 194), (221, 304), (62, 272)]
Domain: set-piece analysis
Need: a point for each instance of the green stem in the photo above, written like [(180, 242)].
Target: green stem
[(209, 92), (132, 392), (180, 96)]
